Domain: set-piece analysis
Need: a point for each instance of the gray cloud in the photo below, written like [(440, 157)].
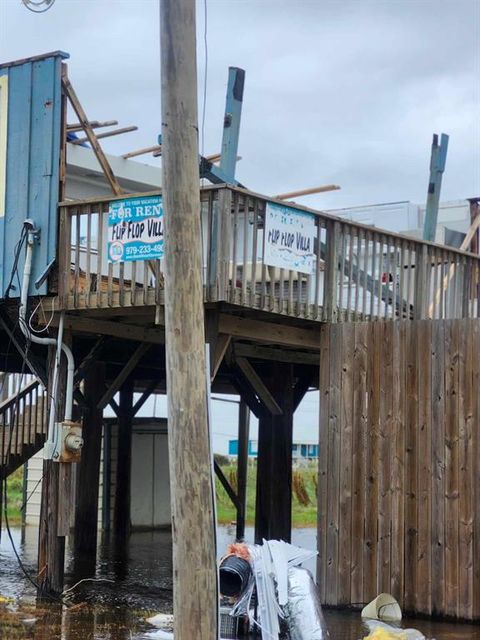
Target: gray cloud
[(348, 91)]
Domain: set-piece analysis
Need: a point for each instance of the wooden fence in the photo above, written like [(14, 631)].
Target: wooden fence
[(359, 272), (399, 477)]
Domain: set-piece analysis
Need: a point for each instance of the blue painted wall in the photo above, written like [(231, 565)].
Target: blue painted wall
[(33, 163)]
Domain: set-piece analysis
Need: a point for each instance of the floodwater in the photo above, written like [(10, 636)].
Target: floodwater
[(132, 585)]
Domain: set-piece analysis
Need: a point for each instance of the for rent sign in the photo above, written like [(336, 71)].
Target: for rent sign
[(289, 238), (135, 229)]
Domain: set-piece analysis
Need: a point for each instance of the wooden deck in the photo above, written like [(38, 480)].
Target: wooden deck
[(360, 273)]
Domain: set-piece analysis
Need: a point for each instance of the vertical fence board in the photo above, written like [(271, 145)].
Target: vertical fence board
[(451, 468), (324, 457), (372, 464), (398, 447), (359, 444), (424, 471), (466, 461), (334, 470), (438, 466), (385, 489), (345, 497)]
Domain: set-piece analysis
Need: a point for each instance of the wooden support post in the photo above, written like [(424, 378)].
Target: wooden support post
[(273, 511), (195, 601), (86, 514), (51, 546), (121, 516), (242, 467)]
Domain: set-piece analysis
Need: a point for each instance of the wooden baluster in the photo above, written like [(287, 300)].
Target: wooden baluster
[(380, 277), (365, 274), (358, 267), (350, 272), (317, 269), (330, 304), (245, 250), (233, 275), (254, 255), (77, 258), (402, 299), (374, 275)]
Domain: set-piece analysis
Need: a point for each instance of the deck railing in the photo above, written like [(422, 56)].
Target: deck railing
[(359, 272)]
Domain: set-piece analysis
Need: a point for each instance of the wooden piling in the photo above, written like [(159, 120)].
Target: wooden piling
[(242, 467), (195, 596), (121, 515), (86, 514)]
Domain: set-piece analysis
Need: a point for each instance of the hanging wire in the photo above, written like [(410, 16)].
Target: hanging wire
[(38, 6)]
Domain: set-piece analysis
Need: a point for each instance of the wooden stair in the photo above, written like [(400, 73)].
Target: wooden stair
[(23, 426)]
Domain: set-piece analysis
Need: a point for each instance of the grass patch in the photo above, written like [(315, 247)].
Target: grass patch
[(14, 497), (304, 511)]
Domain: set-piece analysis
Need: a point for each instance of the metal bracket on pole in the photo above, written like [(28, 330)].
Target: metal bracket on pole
[(437, 167)]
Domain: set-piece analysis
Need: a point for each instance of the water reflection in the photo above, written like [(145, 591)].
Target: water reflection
[(134, 582)]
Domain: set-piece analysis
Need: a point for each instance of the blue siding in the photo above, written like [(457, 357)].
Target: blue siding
[(33, 163)]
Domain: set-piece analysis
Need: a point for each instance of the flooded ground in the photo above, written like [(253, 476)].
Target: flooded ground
[(134, 584)]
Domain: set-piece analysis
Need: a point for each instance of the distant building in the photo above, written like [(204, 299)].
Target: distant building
[(300, 450), (407, 217)]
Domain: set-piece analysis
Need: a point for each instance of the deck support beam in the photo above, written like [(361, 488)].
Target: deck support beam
[(273, 512), (86, 513)]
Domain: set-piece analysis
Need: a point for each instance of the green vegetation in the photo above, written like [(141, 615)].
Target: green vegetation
[(15, 497), (304, 501)]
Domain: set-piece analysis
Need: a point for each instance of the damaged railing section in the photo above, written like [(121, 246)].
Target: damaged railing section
[(358, 272), (355, 272)]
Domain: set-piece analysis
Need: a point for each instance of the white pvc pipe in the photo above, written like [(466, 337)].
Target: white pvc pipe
[(27, 272)]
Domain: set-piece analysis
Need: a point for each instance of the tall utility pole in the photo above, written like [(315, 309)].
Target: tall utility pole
[(195, 591)]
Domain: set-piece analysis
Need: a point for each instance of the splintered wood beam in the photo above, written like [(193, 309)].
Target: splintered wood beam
[(134, 359), (221, 346), (226, 485), (141, 152), (306, 192), (95, 124), (144, 397), (106, 134), (97, 149)]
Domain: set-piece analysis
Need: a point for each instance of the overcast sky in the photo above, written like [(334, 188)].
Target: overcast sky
[(346, 92)]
